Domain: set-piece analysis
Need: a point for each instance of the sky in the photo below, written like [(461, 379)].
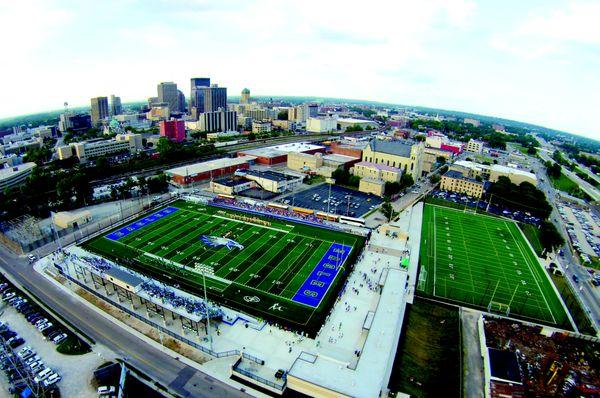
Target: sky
[(535, 61)]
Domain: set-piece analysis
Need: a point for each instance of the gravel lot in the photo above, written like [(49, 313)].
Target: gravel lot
[(76, 371)]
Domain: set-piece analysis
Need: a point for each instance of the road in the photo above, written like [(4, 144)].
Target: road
[(180, 378), (589, 294)]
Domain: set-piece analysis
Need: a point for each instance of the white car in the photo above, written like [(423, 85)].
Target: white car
[(44, 326), (106, 389), (32, 360), (59, 338), (43, 375), (31, 258), (53, 378)]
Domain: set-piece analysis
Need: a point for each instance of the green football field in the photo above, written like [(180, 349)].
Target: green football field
[(275, 269), (484, 262)]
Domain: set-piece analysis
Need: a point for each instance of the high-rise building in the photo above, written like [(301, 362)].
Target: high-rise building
[(174, 130), (167, 92), (152, 101), (217, 121), (311, 110), (181, 101), (115, 105), (245, 96), (197, 82), (99, 110), (206, 98)]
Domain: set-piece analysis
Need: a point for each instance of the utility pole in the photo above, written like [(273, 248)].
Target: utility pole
[(207, 313)]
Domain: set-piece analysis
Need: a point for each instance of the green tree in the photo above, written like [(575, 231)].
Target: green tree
[(550, 238), (435, 178), (388, 210)]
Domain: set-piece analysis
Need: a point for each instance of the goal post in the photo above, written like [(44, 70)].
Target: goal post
[(498, 308)]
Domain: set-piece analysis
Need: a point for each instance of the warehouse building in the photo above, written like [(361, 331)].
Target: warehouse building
[(278, 154), (204, 171)]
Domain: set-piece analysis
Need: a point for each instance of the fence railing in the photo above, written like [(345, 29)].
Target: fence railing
[(155, 325), (262, 380)]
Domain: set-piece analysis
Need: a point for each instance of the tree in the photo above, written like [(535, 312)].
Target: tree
[(435, 178), (553, 170), (531, 150), (420, 138), (441, 160), (251, 137), (550, 238), (388, 210), (282, 115)]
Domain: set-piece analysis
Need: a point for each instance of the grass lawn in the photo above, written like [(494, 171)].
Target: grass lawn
[(271, 268), (581, 320), (563, 183), (594, 263), (427, 363), (533, 236), (485, 263)]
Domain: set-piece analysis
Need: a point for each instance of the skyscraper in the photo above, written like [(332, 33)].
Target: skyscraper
[(167, 92), (99, 110), (196, 83), (181, 101), (115, 105), (245, 96), (206, 99)]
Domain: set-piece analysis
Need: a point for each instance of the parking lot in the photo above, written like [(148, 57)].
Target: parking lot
[(73, 372), (344, 201), (583, 228)]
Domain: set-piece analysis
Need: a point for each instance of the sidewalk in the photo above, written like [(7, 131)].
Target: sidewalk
[(473, 380)]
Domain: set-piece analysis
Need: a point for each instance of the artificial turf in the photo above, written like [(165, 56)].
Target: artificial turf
[(264, 278), (477, 260)]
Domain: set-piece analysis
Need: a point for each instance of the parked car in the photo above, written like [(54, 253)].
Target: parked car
[(575, 278), (45, 326), (17, 342), (42, 375), (52, 379), (58, 339), (31, 360), (106, 389)]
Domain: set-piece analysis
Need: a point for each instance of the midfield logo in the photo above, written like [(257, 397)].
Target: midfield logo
[(216, 241)]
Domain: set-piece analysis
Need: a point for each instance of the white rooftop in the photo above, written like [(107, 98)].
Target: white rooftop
[(7, 172), (204, 167)]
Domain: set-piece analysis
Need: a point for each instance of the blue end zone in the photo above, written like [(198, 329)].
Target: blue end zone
[(139, 224), (316, 285)]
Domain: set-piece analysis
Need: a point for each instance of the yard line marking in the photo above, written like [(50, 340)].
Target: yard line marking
[(251, 223)]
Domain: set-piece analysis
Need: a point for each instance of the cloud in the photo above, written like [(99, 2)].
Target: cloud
[(552, 32)]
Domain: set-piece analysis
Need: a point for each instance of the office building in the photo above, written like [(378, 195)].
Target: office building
[(472, 122), (311, 110), (168, 94), (404, 155), (174, 130), (13, 176), (159, 111), (245, 96), (279, 153), (99, 110), (318, 163), (152, 101), (181, 101), (206, 97), (261, 126), (70, 121), (456, 181), (321, 124), (221, 120), (115, 105), (377, 171), (87, 150), (475, 146), (493, 172)]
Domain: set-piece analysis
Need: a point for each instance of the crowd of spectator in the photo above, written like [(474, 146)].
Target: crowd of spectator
[(168, 296)]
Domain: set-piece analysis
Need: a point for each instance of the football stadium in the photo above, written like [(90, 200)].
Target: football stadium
[(282, 270), (485, 262)]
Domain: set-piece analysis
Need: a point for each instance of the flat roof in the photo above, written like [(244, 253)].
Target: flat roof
[(371, 374), (379, 166), (512, 170), (232, 182), (284, 149), (504, 366), (353, 120), (7, 172), (125, 277), (339, 158), (204, 167), (397, 148), (458, 175), (271, 175)]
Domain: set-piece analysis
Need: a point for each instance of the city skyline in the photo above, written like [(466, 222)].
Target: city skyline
[(532, 63)]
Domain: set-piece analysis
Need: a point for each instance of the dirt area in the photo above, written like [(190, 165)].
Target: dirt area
[(76, 371), (147, 330)]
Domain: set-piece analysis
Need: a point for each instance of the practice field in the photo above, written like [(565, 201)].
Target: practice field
[(275, 269), (485, 262)]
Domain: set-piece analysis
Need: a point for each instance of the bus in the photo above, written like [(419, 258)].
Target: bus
[(357, 222), (325, 216), (302, 211), (225, 196), (277, 206)]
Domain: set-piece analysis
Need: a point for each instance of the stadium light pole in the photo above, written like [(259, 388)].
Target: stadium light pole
[(210, 342)]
